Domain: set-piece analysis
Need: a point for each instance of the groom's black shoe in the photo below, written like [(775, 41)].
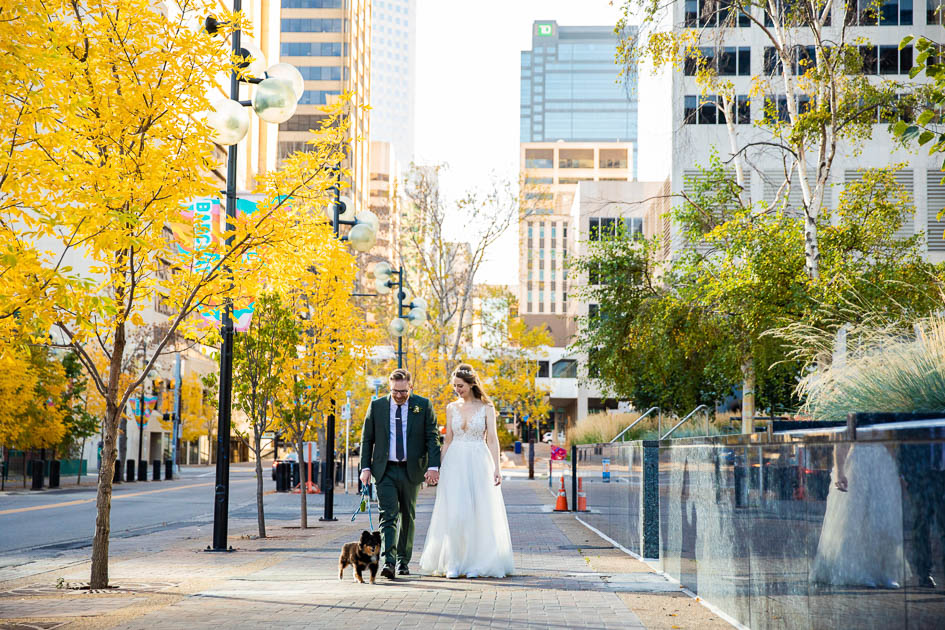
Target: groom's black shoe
[(388, 571), (403, 570)]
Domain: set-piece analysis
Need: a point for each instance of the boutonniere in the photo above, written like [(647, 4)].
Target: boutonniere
[(416, 409)]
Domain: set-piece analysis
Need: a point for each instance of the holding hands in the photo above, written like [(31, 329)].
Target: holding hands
[(432, 477)]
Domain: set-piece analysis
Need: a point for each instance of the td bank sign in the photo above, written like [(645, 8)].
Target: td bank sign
[(545, 30)]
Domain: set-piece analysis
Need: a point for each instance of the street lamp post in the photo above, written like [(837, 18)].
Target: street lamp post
[(274, 101), (362, 236), (416, 309)]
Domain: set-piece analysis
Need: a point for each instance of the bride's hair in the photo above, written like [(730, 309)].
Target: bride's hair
[(467, 374)]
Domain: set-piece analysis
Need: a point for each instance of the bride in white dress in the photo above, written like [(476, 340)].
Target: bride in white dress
[(861, 540), (469, 530)]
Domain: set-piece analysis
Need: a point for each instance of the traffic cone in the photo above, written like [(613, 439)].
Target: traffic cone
[(561, 505), (581, 497)]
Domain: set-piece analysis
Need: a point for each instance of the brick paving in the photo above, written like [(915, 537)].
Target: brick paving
[(290, 581)]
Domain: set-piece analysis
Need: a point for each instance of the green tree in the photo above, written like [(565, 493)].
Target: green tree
[(260, 358), (511, 352)]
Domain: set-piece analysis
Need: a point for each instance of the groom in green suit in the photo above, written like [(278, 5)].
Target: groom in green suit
[(400, 448)]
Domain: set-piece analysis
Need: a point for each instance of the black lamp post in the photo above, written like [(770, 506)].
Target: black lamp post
[(362, 236), (412, 314), (273, 103)]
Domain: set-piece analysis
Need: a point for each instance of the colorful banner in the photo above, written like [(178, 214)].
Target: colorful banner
[(199, 232)]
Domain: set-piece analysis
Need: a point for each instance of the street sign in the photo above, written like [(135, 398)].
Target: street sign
[(346, 412), (268, 435)]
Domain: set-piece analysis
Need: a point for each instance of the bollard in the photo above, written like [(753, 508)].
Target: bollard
[(574, 477), (281, 477), (169, 469), (130, 470), (142, 470), (116, 476), (294, 475), (156, 470), (37, 471), (54, 467)]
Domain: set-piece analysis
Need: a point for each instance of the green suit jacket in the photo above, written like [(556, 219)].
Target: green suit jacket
[(423, 445)]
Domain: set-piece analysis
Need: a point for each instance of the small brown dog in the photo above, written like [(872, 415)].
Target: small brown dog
[(364, 553)]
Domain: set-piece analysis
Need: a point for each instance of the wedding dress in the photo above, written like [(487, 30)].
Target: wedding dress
[(469, 530), (861, 540)]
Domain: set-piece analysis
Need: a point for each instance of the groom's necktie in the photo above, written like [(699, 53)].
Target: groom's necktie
[(399, 425)]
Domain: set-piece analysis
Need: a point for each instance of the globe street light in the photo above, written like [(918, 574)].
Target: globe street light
[(274, 100), (409, 315)]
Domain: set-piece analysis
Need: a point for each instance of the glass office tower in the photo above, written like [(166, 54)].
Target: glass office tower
[(571, 89)]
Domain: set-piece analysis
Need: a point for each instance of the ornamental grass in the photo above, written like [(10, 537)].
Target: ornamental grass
[(890, 371)]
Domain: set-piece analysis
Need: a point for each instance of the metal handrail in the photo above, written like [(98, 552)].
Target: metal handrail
[(634, 423), (689, 415)]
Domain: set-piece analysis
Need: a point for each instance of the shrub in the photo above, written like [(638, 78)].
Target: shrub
[(888, 372)]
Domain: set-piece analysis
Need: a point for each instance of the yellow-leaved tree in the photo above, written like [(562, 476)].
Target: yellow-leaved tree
[(333, 341), (110, 150)]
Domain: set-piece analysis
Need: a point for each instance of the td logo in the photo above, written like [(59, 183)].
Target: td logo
[(545, 30)]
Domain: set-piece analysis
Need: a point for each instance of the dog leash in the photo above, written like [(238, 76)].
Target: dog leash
[(365, 505)]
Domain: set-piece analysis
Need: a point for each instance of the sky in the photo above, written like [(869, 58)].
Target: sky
[(467, 93)]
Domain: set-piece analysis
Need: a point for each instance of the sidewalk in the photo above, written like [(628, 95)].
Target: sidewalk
[(566, 577)]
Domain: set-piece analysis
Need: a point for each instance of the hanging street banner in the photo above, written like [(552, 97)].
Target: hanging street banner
[(198, 234)]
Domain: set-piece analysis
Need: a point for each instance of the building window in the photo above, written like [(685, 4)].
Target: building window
[(706, 110), (885, 59), (311, 4), (303, 122), (317, 97), (601, 227), (576, 158), (311, 25), (728, 61), (564, 368), (321, 73), (883, 12), (541, 307), (776, 109), (612, 158), (543, 369), (935, 12), (714, 13), (539, 158), (313, 49)]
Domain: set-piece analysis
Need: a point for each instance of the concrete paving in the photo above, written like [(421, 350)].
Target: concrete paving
[(290, 581)]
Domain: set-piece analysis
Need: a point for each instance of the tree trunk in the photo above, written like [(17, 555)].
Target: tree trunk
[(103, 501), (748, 395), (303, 521), (260, 514)]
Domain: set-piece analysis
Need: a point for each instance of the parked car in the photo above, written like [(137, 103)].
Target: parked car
[(548, 437), (291, 457)]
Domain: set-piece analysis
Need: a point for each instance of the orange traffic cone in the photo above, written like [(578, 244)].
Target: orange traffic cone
[(561, 505), (581, 497)]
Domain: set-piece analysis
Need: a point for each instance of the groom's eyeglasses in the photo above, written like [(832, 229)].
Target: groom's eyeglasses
[(399, 391)]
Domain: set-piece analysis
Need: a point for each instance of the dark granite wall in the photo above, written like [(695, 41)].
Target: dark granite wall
[(758, 527)]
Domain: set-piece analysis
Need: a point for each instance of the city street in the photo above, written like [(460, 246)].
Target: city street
[(44, 525)]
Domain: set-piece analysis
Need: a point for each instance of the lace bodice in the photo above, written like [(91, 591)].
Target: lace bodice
[(475, 427)]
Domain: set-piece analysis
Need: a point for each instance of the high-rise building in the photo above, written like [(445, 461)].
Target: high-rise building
[(743, 54), (393, 74), (570, 88), (329, 41), (578, 123), (385, 198)]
